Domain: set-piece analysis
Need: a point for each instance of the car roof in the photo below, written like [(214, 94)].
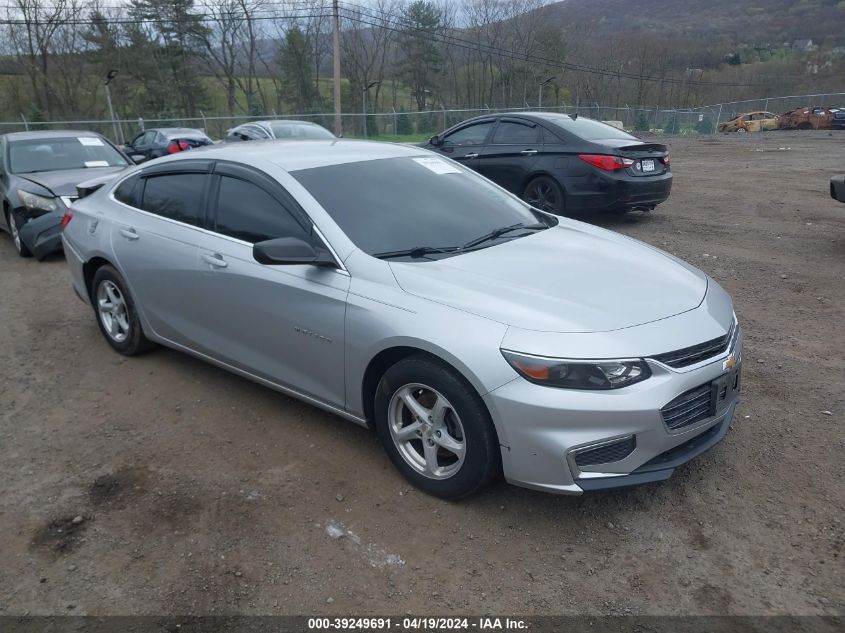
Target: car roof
[(175, 130), (44, 134), (296, 155)]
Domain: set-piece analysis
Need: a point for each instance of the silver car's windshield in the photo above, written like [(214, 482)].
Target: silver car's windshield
[(299, 130), (397, 204), (54, 154)]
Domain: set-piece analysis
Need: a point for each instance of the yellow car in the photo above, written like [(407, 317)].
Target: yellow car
[(750, 122)]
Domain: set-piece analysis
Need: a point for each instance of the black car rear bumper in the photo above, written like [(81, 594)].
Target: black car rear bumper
[(599, 192), (43, 235)]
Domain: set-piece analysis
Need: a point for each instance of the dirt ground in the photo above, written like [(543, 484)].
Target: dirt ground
[(197, 492)]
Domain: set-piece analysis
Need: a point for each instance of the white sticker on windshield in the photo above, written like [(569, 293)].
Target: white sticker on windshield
[(90, 140), (437, 166), (96, 163)]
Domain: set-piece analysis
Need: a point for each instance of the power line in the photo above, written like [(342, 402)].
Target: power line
[(404, 27)]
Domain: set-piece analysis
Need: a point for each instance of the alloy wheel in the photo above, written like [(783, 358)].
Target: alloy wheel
[(427, 431), (542, 196), (13, 227), (111, 308)]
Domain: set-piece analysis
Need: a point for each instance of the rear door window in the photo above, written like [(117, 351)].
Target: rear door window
[(176, 197), (247, 212), (513, 133), (129, 192)]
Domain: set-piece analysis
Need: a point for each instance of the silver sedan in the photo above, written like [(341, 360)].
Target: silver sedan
[(398, 289)]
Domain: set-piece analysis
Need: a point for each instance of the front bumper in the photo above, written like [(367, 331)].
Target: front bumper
[(42, 235), (543, 429)]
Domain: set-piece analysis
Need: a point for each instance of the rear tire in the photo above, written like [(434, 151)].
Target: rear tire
[(13, 225), (435, 428), (545, 194), (116, 314)]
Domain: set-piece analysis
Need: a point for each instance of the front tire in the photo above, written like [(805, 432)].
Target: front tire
[(14, 229), (546, 194), (116, 314), (435, 428)]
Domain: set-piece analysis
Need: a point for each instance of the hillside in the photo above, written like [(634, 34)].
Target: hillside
[(758, 21)]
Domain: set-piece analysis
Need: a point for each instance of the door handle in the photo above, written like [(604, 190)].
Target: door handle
[(528, 152), (129, 234), (470, 156), (215, 260)]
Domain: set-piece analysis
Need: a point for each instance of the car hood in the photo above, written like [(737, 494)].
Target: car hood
[(64, 181), (571, 278)]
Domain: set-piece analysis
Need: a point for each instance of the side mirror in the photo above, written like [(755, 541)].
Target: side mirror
[(138, 158), (436, 141), (290, 251)]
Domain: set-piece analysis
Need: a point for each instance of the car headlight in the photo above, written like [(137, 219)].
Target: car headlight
[(37, 203), (576, 374)]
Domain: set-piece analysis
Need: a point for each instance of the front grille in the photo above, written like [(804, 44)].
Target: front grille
[(690, 407), (697, 353), (607, 453)]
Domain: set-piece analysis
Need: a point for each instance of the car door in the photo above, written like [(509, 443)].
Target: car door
[(281, 323), (143, 143), (155, 231), (464, 144), (511, 154)]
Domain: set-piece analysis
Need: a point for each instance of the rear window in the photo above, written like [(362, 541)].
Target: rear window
[(589, 129), (299, 130)]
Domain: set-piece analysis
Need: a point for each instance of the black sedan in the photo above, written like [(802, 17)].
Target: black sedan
[(39, 172), (158, 142), (559, 163)]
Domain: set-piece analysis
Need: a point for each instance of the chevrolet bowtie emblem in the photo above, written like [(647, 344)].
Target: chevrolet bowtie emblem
[(730, 362)]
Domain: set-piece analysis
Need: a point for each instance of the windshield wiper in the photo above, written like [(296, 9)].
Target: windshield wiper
[(416, 252), (503, 230)]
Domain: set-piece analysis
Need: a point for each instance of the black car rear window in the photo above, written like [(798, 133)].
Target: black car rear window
[(589, 129)]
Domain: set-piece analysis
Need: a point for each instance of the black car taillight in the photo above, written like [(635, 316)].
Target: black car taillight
[(177, 146), (605, 162)]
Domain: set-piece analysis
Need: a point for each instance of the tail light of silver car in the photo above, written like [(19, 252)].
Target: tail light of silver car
[(66, 218)]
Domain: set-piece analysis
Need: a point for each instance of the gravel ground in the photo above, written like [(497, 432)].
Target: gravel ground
[(162, 485)]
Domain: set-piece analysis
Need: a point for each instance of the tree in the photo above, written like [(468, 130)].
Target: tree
[(174, 36), (296, 66), (421, 61)]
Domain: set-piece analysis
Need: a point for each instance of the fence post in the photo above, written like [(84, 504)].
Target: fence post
[(716, 122), (395, 122), (25, 123), (443, 111), (204, 122), (141, 123)]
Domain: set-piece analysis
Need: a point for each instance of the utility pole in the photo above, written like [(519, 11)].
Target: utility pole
[(364, 97), (118, 132), (338, 129), (543, 83)]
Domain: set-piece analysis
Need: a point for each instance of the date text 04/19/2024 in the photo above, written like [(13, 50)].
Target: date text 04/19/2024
[(419, 624)]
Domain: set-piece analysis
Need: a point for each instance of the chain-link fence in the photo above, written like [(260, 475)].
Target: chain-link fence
[(414, 126)]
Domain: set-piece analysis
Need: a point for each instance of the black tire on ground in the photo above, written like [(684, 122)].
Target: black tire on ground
[(805, 125), (132, 341), (482, 457), (545, 194), (14, 226)]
